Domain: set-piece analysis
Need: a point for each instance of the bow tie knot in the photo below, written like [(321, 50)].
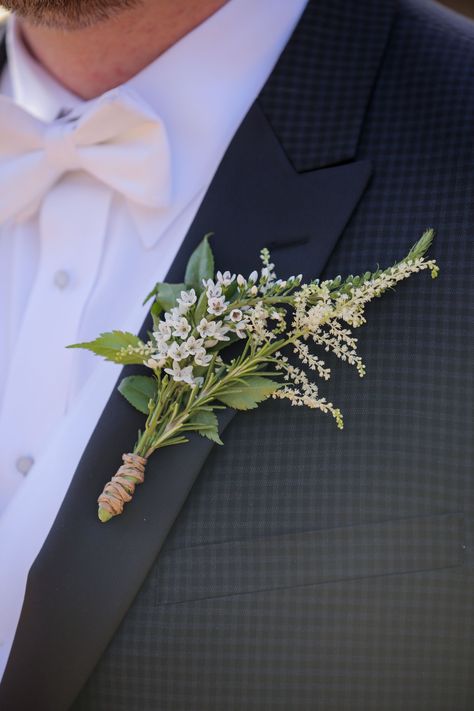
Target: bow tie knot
[(118, 140), (60, 147)]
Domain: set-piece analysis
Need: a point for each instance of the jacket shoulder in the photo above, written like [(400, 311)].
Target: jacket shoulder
[(446, 34)]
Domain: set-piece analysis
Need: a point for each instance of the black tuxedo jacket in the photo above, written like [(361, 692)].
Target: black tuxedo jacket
[(300, 567)]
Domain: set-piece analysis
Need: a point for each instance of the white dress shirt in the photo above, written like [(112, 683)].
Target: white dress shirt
[(60, 283)]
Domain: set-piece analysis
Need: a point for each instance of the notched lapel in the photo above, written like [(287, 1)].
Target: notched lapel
[(87, 574)]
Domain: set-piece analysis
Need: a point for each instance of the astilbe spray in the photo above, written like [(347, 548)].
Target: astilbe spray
[(196, 321)]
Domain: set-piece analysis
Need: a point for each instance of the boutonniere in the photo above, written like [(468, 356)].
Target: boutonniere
[(262, 320)]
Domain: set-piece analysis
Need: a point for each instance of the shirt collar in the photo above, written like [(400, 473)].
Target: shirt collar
[(201, 87)]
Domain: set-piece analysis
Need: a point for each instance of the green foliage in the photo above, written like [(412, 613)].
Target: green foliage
[(115, 346), (201, 308), (139, 390), (165, 296), (200, 266), (247, 393), (205, 422), (420, 248)]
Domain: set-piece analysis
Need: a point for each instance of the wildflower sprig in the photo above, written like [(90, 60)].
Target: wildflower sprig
[(277, 329)]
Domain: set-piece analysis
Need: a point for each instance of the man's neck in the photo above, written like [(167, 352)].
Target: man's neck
[(95, 59)]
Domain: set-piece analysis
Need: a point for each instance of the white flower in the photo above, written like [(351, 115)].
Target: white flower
[(241, 281), (181, 375), (188, 298), (155, 362), (202, 358), (163, 332), (253, 276), (212, 290), (254, 291), (173, 316), (213, 329), (217, 305), (236, 315), (182, 327), (241, 328), (193, 344), (204, 328), (225, 279), (178, 352), (162, 352)]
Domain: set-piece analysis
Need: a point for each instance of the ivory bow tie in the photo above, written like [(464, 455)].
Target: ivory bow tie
[(117, 139)]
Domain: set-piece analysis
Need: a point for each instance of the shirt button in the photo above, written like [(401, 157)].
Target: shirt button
[(24, 464), (61, 279)]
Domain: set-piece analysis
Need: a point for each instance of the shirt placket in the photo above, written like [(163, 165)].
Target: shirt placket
[(72, 227)]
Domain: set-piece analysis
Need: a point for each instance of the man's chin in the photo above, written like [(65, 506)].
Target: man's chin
[(68, 15)]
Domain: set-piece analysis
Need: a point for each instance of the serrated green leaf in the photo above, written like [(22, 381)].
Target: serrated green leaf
[(113, 346), (246, 394), (138, 390), (200, 266), (205, 423)]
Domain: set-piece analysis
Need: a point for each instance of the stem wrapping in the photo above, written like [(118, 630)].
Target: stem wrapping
[(119, 490)]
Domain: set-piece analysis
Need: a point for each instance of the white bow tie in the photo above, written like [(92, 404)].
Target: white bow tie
[(117, 139)]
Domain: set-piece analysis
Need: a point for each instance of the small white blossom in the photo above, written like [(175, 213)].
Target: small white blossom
[(182, 327), (213, 329), (194, 344), (241, 330), (178, 352), (155, 362), (225, 279), (213, 290), (173, 316), (163, 332), (253, 276), (217, 305), (179, 374), (188, 298), (254, 291), (158, 346), (202, 358), (236, 315), (241, 281)]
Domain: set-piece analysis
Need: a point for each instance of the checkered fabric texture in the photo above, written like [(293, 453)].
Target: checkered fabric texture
[(318, 570)]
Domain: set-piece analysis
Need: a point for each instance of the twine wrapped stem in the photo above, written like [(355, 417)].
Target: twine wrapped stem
[(119, 490)]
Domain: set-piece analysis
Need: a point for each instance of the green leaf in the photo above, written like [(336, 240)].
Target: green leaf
[(113, 346), (165, 296), (138, 390), (200, 265), (201, 308), (245, 395), (205, 422)]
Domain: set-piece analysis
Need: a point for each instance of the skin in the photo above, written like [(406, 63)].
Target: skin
[(91, 46)]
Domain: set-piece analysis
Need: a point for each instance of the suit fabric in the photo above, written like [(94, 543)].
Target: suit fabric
[(300, 567)]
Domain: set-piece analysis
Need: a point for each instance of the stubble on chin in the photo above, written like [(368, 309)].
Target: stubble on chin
[(68, 14)]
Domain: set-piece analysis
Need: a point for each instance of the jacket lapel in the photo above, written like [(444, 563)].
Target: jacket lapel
[(87, 574)]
